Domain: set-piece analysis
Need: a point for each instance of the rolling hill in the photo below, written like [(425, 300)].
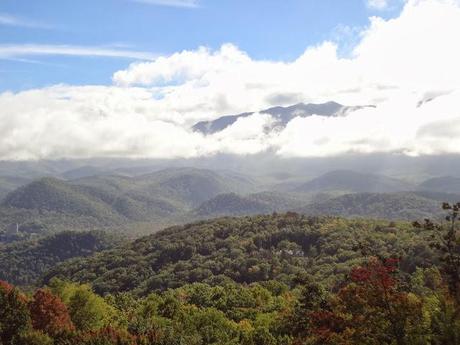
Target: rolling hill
[(112, 201), (23, 263), (244, 250), (190, 187), (353, 182), (10, 183), (392, 206), (232, 204), (52, 194), (444, 184)]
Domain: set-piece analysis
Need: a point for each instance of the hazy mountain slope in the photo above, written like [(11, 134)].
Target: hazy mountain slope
[(351, 181), (392, 206), (127, 198), (245, 249), (190, 186), (281, 115), (23, 263), (56, 205), (280, 201), (51, 194), (84, 171), (445, 184), (92, 202), (232, 204), (10, 183)]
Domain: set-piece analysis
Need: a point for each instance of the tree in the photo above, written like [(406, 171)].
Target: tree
[(33, 337), (447, 241), (107, 336), (14, 315), (49, 314), (378, 307), (87, 310), (313, 297)]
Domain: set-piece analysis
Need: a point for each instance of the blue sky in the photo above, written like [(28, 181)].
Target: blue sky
[(265, 29), (130, 78)]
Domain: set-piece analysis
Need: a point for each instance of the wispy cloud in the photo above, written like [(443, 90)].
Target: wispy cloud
[(10, 20), (172, 3), (398, 64), (378, 4), (9, 51)]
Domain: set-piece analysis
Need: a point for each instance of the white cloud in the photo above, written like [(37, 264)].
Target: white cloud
[(149, 111), (10, 20), (171, 3), (378, 4), (21, 50)]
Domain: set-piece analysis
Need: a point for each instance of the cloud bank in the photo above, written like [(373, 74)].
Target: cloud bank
[(407, 66)]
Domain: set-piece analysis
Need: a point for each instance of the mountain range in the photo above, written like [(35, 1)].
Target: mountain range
[(280, 115), (145, 203)]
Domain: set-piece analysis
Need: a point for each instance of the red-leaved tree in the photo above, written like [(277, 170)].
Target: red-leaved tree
[(49, 314)]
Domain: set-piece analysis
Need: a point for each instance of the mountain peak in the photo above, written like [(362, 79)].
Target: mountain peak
[(281, 115)]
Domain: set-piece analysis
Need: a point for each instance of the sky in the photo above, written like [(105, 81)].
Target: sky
[(76, 31), (128, 78)]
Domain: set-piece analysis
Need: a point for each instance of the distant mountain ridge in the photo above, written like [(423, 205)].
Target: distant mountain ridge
[(281, 115), (445, 184), (110, 200), (146, 203), (356, 182), (232, 204), (391, 206)]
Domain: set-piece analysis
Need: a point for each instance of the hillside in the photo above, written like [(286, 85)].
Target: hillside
[(10, 183), (113, 201), (232, 204), (444, 184), (245, 250), (51, 194), (353, 182), (23, 263), (183, 187), (391, 206)]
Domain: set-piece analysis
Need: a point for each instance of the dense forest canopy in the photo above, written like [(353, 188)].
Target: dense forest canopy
[(23, 263), (378, 300), (346, 267), (246, 250)]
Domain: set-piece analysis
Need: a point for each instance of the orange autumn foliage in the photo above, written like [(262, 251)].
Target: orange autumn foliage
[(48, 313)]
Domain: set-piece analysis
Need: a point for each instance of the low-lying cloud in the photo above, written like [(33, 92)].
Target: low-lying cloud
[(407, 66)]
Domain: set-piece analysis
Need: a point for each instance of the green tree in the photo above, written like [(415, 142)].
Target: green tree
[(88, 311), (14, 315), (33, 337)]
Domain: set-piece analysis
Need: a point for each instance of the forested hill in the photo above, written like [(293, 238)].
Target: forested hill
[(112, 202), (24, 262), (402, 205), (354, 182), (245, 250)]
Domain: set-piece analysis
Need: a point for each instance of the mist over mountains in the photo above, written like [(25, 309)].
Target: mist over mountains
[(281, 116), (135, 197)]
